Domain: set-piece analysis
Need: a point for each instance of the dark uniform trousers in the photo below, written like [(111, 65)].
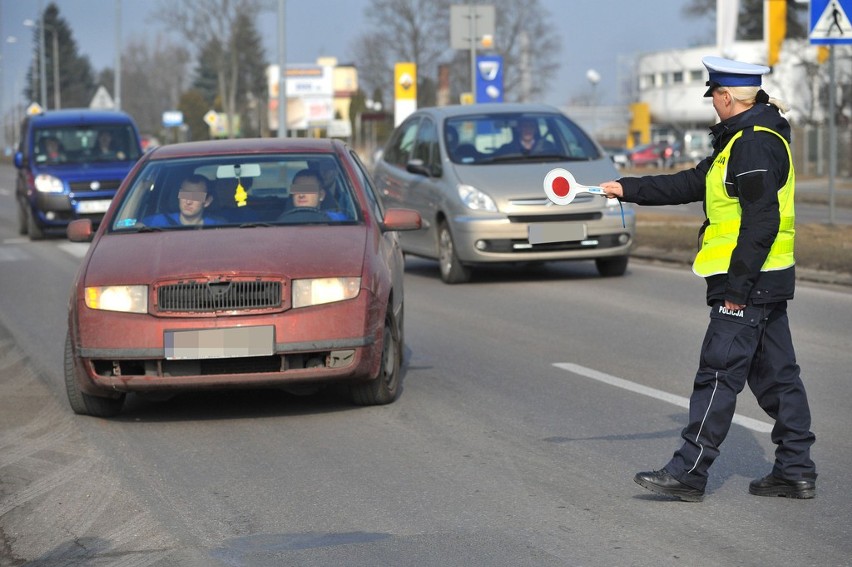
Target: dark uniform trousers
[(753, 345)]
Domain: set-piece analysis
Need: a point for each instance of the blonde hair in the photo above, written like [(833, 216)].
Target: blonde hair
[(748, 96)]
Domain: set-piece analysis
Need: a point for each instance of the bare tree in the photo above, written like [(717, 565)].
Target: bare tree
[(416, 31), (205, 23), (526, 39), (154, 75)]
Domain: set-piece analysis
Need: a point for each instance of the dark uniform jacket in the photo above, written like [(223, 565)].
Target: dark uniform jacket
[(757, 169)]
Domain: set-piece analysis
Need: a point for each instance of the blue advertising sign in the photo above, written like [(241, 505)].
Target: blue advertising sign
[(830, 22), (489, 78)]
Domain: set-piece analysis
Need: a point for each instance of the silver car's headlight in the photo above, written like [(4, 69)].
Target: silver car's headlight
[(48, 184), (125, 298), (476, 200), (324, 290)]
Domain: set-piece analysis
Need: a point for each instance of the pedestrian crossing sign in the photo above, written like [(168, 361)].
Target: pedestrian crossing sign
[(830, 22)]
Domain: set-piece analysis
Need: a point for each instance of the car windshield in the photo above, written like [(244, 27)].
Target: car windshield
[(237, 191), (511, 138), (85, 144)]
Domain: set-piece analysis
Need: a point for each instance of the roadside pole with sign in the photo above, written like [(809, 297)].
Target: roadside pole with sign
[(173, 119), (405, 91), (489, 78), (472, 25), (830, 25)]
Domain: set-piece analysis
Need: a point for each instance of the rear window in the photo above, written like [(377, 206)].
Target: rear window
[(233, 191), (85, 144), (507, 137)]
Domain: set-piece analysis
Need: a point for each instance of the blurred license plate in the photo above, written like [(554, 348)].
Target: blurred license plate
[(96, 206), (232, 342), (544, 233)]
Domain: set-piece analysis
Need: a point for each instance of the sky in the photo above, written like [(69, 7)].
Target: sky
[(595, 34)]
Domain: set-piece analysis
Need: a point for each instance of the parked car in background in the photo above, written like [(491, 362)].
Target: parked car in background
[(480, 193), (618, 155), (262, 263), (697, 145), (658, 154), (70, 164)]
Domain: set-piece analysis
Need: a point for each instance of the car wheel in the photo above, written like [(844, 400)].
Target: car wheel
[(35, 231), (22, 219), (82, 403), (452, 270), (610, 267), (388, 384)]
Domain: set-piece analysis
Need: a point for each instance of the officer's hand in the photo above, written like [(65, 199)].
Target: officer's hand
[(733, 306), (613, 189)]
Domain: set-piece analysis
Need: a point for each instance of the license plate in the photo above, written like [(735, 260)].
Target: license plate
[(94, 206), (231, 342), (543, 233)]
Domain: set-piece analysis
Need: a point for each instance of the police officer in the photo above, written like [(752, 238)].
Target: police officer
[(746, 257)]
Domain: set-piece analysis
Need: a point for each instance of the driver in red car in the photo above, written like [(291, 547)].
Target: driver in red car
[(307, 192)]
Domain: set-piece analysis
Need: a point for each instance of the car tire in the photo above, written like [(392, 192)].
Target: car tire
[(82, 403), (611, 267), (34, 230), (452, 270), (386, 387), (23, 220)]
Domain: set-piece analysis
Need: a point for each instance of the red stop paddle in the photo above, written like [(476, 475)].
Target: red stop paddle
[(561, 187)]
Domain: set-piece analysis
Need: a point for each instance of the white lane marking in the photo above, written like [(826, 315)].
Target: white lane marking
[(680, 401), (5, 192), (76, 249)]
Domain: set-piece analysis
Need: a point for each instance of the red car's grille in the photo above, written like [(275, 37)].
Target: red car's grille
[(202, 297)]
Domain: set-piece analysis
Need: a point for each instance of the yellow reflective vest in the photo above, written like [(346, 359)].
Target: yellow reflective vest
[(724, 214)]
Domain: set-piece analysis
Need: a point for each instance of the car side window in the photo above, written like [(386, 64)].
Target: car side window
[(400, 148), (376, 206), (426, 147)]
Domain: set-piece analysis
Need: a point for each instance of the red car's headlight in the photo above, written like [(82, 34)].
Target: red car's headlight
[(324, 290), (125, 298)]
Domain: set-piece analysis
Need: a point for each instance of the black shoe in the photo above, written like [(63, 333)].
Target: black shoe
[(662, 482), (773, 486)]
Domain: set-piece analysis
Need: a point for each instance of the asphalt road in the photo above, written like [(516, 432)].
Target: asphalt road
[(531, 398)]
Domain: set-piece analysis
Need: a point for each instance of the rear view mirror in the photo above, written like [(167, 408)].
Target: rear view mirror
[(80, 230), (238, 171), (401, 219)]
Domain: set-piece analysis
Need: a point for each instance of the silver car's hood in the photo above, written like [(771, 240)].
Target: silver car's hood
[(516, 181)]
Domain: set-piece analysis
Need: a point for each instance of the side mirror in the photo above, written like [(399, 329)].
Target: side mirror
[(417, 167), (19, 160), (80, 230), (401, 219)]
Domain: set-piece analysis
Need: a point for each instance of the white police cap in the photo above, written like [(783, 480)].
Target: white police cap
[(729, 73)]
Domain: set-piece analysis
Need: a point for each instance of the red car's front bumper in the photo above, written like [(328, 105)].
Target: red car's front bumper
[(123, 352)]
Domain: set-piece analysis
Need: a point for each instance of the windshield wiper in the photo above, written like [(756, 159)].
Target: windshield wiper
[(254, 224)]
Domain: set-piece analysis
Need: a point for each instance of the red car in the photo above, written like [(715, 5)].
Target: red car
[(650, 154), (239, 264)]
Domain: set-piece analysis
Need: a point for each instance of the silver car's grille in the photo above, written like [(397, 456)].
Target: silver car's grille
[(203, 296)]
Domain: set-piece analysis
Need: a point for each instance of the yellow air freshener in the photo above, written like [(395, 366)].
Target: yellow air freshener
[(240, 195)]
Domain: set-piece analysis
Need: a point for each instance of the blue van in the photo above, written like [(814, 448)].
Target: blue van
[(70, 163)]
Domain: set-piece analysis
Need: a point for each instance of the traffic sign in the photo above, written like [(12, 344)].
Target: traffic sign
[(211, 118), (172, 118), (830, 22)]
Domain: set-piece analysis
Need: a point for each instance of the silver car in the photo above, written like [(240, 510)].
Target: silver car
[(476, 172)]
